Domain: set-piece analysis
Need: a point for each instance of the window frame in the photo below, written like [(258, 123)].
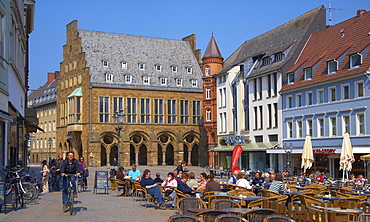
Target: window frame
[(360, 125), (194, 82), (179, 82), (331, 94), (158, 66), (328, 66), (319, 93), (344, 93), (305, 73), (108, 77), (299, 100), (309, 98), (146, 80), (105, 63), (128, 78), (290, 78), (208, 92), (309, 127), (174, 68), (189, 70), (351, 66), (333, 127), (358, 91), (124, 65), (142, 66), (161, 81)]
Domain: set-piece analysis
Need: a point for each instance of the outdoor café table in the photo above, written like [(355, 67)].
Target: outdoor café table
[(196, 210), (238, 210), (333, 200), (248, 199), (339, 210), (356, 194), (290, 194)]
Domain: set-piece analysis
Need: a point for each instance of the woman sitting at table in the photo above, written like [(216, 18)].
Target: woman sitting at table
[(242, 182), (277, 185), (169, 184), (202, 181), (211, 184)]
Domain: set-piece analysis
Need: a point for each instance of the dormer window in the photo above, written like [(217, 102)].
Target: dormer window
[(355, 60), (308, 73), (208, 70), (109, 77), (128, 79), (266, 61), (163, 81), (141, 66), (189, 70), (146, 80), (178, 82), (290, 78), (279, 57), (158, 68), (174, 68), (332, 66), (124, 65), (105, 63), (194, 82)]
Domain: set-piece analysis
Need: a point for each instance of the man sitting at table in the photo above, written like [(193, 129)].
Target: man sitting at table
[(269, 181), (234, 178), (134, 173), (211, 184), (257, 182), (181, 185), (152, 188), (277, 185), (192, 182)]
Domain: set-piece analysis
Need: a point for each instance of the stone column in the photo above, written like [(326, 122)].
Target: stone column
[(108, 158), (137, 159), (189, 158), (164, 158)]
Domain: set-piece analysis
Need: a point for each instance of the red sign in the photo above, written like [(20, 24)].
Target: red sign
[(324, 151), (236, 155)]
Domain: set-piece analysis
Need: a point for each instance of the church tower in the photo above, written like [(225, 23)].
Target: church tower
[(212, 62)]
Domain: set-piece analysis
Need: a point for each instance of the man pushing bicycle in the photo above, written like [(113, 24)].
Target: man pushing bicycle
[(69, 166)]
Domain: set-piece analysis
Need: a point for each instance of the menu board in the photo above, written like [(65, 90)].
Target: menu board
[(2, 193), (101, 180)]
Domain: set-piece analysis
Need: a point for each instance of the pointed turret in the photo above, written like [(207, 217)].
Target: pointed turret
[(212, 50)]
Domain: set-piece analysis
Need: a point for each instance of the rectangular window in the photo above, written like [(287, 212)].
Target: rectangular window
[(299, 129), (163, 81), (124, 65), (208, 115), (275, 82), (108, 77), (360, 124), (276, 114), (158, 67), (290, 130), (117, 104), (158, 111), (320, 96), (178, 82), (146, 80), (105, 63), (266, 61), (259, 88), (258, 139), (220, 102), (255, 89), (261, 117), (273, 138), (309, 127), (171, 111), (189, 70), (174, 68), (255, 118), (221, 123), (289, 102), (299, 100), (128, 79), (144, 110), (307, 73), (103, 109), (332, 94), (290, 78), (197, 113), (345, 92), (346, 125), (208, 92), (359, 89), (141, 66), (279, 57), (332, 67), (309, 98), (269, 116), (333, 126), (194, 83), (269, 86), (355, 60), (224, 97), (131, 110), (320, 128), (184, 111)]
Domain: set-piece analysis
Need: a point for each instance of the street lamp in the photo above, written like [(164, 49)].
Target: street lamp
[(118, 118), (288, 150), (50, 140)]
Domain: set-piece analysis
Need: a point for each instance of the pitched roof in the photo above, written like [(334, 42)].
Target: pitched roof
[(286, 38), (338, 41), (212, 50), (44, 95)]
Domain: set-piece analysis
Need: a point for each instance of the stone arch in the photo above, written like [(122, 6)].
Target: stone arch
[(170, 155), (103, 155), (195, 155), (166, 139), (186, 153), (143, 155), (113, 154), (132, 154), (191, 139), (138, 139)]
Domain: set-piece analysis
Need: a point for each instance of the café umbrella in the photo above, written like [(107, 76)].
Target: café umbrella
[(307, 154), (346, 156)]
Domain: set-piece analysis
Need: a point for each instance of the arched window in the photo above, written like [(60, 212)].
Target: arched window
[(208, 70), (208, 114)]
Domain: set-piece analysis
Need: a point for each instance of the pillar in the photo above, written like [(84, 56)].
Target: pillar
[(189, 158), (164, 158), (137, 159)]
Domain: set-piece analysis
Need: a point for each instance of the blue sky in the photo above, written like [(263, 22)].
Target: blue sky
[(231, 21)]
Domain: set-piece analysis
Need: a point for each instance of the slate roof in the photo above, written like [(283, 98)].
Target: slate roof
[(338, 41), (117, 48), (44, 95), (286, 38), (212, 50)]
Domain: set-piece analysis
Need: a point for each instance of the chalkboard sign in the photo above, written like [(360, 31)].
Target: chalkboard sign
[(2, 192), (101, 180)]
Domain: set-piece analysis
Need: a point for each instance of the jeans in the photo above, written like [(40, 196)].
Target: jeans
[(172, 195), (156, 192), (65, 188), (57, 181)]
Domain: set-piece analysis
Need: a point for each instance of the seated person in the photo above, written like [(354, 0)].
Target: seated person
[(233, 179), (192, 182), (134, 173), (202, 181), (361, 178), (158, 178), (258, 180), (120, 174), (211, 184), (152, 188), (277, 185), (269, 181), (169, 184), (181, 185), (242, 182)]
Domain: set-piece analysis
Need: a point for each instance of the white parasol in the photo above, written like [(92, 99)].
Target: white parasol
[(307, 154), (346, 156)]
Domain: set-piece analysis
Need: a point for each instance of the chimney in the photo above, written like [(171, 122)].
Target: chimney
[(361, 11), (52, 76)]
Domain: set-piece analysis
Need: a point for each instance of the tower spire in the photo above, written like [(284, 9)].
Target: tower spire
[(212, 50)]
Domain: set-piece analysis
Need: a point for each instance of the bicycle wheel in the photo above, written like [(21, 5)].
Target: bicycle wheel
[(14, 201), (80, 185), (29, 192), (70, 200), (20, 196)]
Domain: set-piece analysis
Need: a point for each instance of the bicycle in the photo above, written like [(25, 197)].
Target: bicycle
[(14, 187), (71, 199), (81, 184)]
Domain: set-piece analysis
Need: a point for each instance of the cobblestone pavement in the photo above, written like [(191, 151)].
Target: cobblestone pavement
[(92, 207)]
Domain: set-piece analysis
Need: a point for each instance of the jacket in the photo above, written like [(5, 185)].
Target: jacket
[(70, 168)]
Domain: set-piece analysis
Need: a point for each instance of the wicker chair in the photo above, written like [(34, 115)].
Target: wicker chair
[(147, 197), (268, 193), (258, 215), (136, 189), (212, 199), (183, 218), (229, 218), (185, 203), (352, 202), (277, 218), (117, 185), (225, 203), (210, 216)]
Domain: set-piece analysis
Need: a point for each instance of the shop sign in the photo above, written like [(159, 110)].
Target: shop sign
[(324, 151)]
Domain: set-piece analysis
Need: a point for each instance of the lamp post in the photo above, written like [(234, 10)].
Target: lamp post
[(118, 118), (50, 143), (288, 150)]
